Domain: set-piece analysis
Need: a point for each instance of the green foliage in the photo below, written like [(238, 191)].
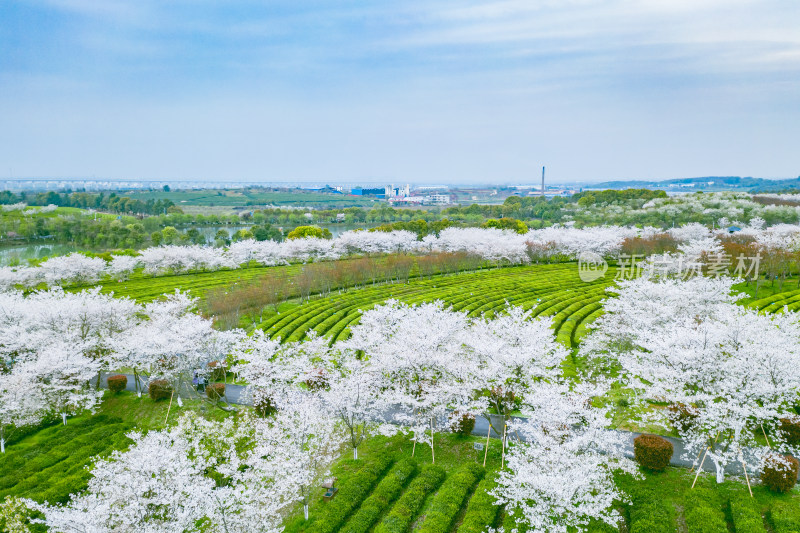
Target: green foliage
[(482, 510), (302, 232), (506, 223), (746, 514), (652, 452), (613, 195), (387, 491), (410, 503), (450, 498), (649, 514), (351, 493), (703, 512), (785, 517), (50, 464)]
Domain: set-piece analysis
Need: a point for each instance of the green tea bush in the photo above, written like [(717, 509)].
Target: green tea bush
[(410, 503), (703, 512), (351, 493), (785, 517), (649, 514), (746, 514), (482, 510), (387, 491), (450, 498)]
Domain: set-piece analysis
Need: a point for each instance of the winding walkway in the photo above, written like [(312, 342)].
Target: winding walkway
[(234, 395)]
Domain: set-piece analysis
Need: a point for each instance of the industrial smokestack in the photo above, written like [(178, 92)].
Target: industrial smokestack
[(542, 182)]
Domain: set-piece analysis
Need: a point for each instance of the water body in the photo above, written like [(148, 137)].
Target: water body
[(20, 254)]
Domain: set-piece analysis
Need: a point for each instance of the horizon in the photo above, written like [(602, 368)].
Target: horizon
[(423, 92)]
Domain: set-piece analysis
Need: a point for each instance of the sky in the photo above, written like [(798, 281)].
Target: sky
[(431, 91)]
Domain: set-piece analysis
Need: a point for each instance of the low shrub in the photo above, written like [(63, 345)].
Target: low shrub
[(387, 491), (746, 514), (215, 391), (790, 427), (410, 503), (785, 517), (779, 472), (351, 493), (482, 510), (652, 452), (117, 383), (463, 424), (703, 512), (450, 498), (160, 389)]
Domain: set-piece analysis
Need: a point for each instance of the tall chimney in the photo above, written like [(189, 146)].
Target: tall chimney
[(542, 182)]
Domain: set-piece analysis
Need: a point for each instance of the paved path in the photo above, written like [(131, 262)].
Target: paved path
[(234, 395)]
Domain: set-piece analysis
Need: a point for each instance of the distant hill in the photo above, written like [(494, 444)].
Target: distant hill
[(709, 182)]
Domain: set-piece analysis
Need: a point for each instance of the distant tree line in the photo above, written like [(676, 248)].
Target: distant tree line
[(111, 203)]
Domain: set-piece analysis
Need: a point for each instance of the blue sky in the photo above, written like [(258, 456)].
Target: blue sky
[(419, 91)]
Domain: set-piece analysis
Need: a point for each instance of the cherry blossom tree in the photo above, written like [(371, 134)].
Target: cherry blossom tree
[(416, 351), (507, 355), (236, 476), (559, 476), (726, 370), (352, 393)]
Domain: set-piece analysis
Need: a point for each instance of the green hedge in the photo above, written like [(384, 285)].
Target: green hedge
[(649, 514), (410, 503), (785, 517), (387, 491), (703, 512), (482, 510), (746, 514), (351, 493), (450, 498)]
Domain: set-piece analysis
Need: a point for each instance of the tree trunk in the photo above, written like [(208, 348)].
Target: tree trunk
[(64, 418), (355, 453), (305, 510)]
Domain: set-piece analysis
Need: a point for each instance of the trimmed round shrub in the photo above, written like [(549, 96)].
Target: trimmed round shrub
[(117, 383), (160, 389), (215, 391), (779, 472), (790, 427), (264, 407), (682, 416), (652, 452), (463, 424), (216, 370)]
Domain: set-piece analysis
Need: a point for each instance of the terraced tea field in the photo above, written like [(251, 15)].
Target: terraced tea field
[(553, 290), (388, 491)]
